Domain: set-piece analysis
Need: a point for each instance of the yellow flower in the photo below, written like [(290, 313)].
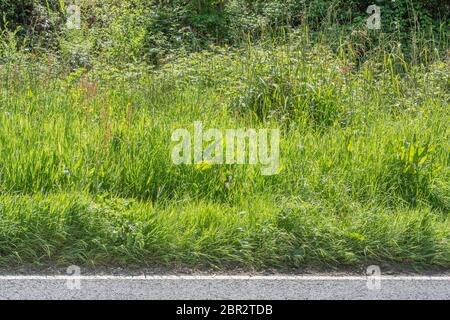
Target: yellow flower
[(203, 165)]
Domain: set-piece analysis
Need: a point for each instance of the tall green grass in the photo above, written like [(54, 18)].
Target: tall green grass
[(86, 174)]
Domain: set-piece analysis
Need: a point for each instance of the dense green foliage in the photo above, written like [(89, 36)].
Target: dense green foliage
[(87, 115), (153, 30), (87, 177)]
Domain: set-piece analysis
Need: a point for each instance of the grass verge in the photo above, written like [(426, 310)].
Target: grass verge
[(86, 175)]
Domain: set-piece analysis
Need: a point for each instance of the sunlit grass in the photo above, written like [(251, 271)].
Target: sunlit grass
[(86, 174)]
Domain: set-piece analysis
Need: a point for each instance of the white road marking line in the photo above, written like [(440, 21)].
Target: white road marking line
[(236, 277)]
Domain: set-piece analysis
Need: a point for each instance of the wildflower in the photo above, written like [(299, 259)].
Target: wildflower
[(203, 165)]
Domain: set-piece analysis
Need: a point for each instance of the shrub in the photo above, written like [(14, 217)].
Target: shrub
[(156, 29)]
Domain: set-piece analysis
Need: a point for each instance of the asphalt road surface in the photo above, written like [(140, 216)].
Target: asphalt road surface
[(224, 287)]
